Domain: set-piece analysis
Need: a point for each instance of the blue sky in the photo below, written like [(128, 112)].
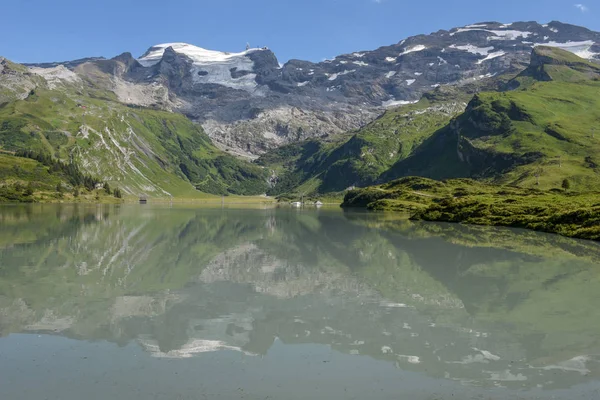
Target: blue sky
[(57, 30)]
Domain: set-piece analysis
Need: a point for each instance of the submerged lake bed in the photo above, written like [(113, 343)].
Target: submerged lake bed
[(158, 302)]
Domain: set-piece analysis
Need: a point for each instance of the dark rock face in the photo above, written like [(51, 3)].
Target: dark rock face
[(337, 95), (128, 60)]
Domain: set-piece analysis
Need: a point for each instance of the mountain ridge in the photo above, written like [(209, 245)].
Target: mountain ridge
[(255, 107), (535, 136), (330, 113)]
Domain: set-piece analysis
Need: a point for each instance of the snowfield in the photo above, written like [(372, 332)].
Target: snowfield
[(197, 54), (209, 66)]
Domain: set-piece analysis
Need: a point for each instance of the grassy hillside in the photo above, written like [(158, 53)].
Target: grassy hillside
[(23, 180), (15, 81), (142, 150), (369, 152), (534, 136), (466, 201)]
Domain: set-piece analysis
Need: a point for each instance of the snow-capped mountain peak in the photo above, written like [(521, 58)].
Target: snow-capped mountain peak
[(232, 70), (199, 55), (248, 102)]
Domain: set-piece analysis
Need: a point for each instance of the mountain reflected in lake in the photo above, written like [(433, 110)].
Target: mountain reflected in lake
[(487, 310)]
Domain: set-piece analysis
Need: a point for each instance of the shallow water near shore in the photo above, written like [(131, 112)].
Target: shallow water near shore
[(158, 302)]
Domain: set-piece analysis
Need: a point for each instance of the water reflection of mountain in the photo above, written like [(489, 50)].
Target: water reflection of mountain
[(483, 306)]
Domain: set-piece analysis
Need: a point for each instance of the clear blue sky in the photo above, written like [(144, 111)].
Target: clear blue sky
[(57, 30)]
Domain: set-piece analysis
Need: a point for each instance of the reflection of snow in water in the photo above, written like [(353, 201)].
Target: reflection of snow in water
[(188, 350), (484, 356), (506, 376), (392, 305), (410, 359), (576, 364)]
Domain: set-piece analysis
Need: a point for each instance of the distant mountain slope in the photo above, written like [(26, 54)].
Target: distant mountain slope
[(249, 103), (539, 134), (125, 120), (143, 151), (372, 150)]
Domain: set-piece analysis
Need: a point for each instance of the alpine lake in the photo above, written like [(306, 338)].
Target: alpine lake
[(138, 302)]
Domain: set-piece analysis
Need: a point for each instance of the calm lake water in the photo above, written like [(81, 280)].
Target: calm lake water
[(147, 302)]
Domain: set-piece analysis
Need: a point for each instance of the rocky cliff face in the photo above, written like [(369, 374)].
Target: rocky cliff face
[(248, 103)]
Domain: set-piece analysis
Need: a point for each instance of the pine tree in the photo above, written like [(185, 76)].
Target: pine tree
[(566, 184)]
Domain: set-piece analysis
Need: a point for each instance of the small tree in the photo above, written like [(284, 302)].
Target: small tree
[(117, 193), (76, 192), (107, 188), (59, 190), (29, 189), (566, 184)]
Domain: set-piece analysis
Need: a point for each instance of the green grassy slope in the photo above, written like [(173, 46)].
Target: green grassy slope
[(144, 151), (369, 152), (540, 135), (467, 201), (534, 136), (15, 81), (24, 180)]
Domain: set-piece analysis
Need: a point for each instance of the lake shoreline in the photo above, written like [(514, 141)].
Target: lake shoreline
[(465, 201)]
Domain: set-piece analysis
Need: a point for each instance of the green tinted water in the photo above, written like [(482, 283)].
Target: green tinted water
[(143, 302)]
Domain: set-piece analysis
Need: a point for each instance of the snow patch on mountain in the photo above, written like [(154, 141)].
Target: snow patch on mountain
[(209, 66), (483, 51), (581, 49), (333, 77), (197, 54), (397, 103), (497, 35), (492, 56), (390, 74), (413, 49)]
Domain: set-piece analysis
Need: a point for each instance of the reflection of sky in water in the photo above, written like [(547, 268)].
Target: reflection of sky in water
[(319, 300)]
